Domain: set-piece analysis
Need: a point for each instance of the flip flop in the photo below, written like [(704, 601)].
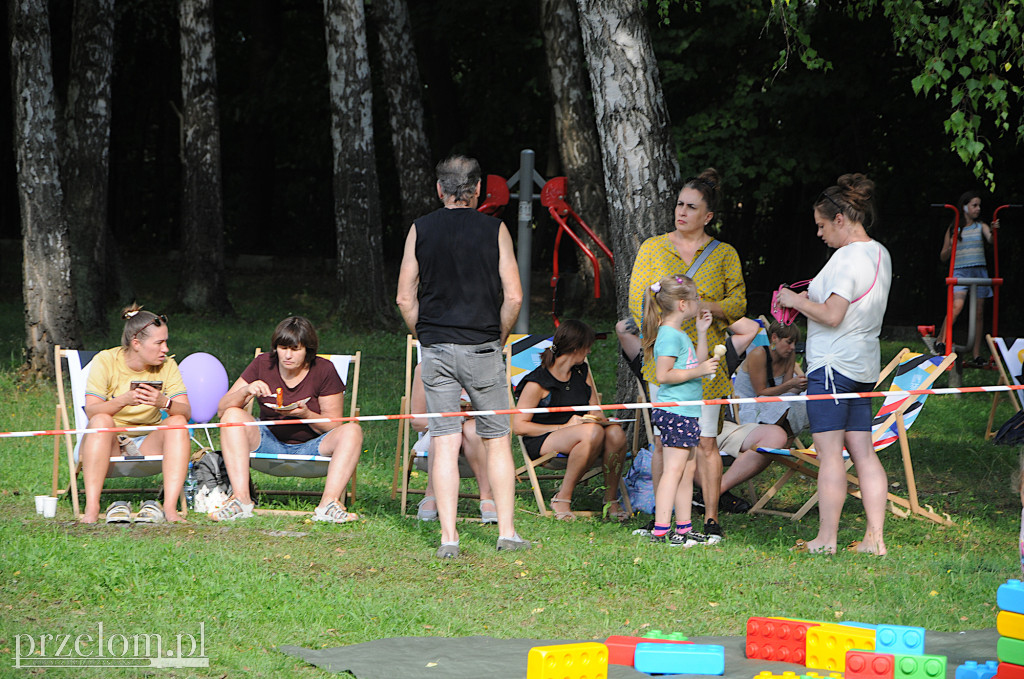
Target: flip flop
[(800, 547), (119, 512), (150, 512)]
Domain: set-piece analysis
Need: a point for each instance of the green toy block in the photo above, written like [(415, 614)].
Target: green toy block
[(667, 636), (919, 666), (1010, 650)]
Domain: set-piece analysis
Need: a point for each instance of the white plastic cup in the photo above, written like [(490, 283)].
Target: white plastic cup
[(49, 507), (39, 504)]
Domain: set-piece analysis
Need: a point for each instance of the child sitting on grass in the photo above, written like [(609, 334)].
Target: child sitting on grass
[(679, 368)]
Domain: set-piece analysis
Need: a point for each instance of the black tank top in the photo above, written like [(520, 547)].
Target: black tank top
[(460, 287)]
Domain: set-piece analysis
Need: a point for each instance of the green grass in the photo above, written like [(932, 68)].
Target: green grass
[(271, 581)]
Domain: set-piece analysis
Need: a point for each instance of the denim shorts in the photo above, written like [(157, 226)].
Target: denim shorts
[(984, 291), (477, 368), (271, 445), (849, 414), (677, 431)]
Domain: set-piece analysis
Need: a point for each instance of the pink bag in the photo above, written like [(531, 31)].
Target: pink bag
[(786, 315)]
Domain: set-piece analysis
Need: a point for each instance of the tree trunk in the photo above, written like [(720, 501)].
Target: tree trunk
[(640, 166), (576, 132), (49, 302), (401, 78), (202, 222), (363, 298), (85, 168)]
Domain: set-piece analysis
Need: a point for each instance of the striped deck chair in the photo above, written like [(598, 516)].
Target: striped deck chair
[(78, 364), (890, 424), (524, 352), (1007, 352), (312, 466)]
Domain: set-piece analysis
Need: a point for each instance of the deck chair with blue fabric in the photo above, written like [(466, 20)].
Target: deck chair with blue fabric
[(311, 466), (890, 424), (78, 363), (524, 355), (1007, 353)]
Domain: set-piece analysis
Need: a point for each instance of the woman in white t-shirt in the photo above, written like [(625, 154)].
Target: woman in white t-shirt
[(844, 306)]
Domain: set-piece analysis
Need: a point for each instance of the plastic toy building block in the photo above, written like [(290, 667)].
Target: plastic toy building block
[(778, 639), (827, 645), (621, 649), (1010, 650), (1010, 671), (680, 658), (899, 639), (1010, 624), (785, 675), (868, 665), (975, 670), (665, 636), (1010, 596), (568, 661), (815, 675), (920, 667)]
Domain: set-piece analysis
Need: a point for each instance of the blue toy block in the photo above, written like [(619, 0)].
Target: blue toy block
[(1010, 596), (973, 670), (899, 639), (680, 658)]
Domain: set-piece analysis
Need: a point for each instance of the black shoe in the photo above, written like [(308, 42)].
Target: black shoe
[(698, 501), (940, 348), (661, 539), (980, 362), (646, 530), (713, 531), (732, 504)]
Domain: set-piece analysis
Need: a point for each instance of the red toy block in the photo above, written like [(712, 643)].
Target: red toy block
[(867, 665), (622, 649), (777, 639), (1009, 671)]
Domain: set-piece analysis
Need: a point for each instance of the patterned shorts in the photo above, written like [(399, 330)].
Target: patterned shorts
[(677, 431)]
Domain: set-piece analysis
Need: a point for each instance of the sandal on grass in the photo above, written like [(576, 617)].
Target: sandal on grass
[(119, 512), (150, 512), (615, 512), (488, 516), (802, 547), (427, 514), (334, 513), (565, 514)]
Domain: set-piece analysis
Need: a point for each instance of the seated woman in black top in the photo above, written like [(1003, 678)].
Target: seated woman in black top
[(564, 379)]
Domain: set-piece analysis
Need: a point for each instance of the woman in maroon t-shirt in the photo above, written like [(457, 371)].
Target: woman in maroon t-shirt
[(289, 383)]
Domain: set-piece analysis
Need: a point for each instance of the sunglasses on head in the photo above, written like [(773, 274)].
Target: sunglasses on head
[(156, 320)]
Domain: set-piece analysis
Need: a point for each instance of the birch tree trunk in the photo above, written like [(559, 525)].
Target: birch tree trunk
[(640, 168), (202, 286), (362, 297), (85, 168), (576, 131), (400, 76), (49, 302)]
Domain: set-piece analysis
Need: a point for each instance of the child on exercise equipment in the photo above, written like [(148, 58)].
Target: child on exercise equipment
[(679, 367)]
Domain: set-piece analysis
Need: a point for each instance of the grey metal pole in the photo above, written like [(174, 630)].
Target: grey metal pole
[(525, 244)]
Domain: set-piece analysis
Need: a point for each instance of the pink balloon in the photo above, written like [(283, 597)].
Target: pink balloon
[(206, 381)]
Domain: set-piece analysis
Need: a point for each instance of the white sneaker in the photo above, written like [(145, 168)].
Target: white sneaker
[(233, 509)]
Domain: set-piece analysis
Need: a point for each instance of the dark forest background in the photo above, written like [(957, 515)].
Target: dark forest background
[(778, 137)]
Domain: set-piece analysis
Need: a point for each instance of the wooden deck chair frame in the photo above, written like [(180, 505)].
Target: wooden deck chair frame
[(404, 453), (544, 461), (310, 466), (120, 467), (807, 465), (1005, 379)]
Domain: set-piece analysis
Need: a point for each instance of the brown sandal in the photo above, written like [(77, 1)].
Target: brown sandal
[(565, 515)]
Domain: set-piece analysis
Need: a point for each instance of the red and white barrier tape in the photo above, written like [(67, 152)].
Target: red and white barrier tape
[(513, 411)]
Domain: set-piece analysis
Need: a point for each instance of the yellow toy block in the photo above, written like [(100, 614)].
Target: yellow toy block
[(1010, 625), (815, 675), (568, 661), (827, 645), (785, 675)]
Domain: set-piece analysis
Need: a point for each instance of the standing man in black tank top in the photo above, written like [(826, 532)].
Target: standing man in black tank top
[(459, 293)]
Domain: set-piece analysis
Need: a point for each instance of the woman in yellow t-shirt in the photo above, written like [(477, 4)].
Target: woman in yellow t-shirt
[(110, 401), (719, 281)]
